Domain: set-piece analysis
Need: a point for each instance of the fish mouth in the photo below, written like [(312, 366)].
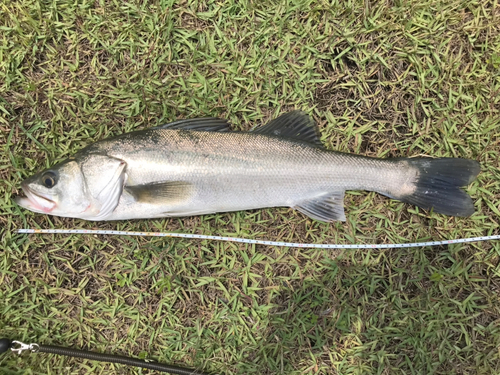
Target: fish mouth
[(34, 202)]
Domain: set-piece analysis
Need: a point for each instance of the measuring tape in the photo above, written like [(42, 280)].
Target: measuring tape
[(260, 242)]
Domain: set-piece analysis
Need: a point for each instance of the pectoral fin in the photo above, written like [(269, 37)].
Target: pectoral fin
[(167, 192), (324, 208)]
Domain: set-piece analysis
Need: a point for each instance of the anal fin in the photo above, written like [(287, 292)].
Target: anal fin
[(329, 207), (166, 192)]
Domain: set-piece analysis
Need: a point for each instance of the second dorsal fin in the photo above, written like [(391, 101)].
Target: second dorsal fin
[(295, 125)]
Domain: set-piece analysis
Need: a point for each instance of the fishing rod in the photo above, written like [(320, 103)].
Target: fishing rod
[(19, 347), (259, 242)]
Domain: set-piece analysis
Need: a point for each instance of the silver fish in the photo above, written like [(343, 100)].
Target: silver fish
[(197, 166)]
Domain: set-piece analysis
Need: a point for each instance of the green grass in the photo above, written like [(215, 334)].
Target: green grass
[(386, 78)]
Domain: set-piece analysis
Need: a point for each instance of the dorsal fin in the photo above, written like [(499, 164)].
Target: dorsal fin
[(295, 125), (207, 124)]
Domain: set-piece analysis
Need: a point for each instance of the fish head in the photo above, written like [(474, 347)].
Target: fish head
[(87, 188), (60, 190)]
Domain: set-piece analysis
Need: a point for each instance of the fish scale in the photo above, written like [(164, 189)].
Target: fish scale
[(237, 171)]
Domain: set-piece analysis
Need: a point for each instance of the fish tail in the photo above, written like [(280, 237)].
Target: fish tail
[(437, 185)]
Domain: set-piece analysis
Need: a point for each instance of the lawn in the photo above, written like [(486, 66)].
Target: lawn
[(381, 78)]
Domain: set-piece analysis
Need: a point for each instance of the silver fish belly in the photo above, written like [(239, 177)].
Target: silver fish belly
[(187, 170)]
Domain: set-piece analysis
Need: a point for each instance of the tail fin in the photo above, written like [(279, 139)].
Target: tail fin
[(438, 185)]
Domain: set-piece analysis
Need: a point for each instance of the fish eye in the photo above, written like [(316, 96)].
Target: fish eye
[(49, 179)]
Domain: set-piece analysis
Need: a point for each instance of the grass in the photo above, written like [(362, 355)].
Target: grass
[(382, 78)]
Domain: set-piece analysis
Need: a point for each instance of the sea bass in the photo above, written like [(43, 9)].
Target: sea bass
[(197, 166)]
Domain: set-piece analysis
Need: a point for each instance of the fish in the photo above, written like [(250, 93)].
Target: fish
[(199, 166)]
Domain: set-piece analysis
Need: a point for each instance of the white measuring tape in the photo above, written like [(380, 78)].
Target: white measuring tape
[(260, 242)]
